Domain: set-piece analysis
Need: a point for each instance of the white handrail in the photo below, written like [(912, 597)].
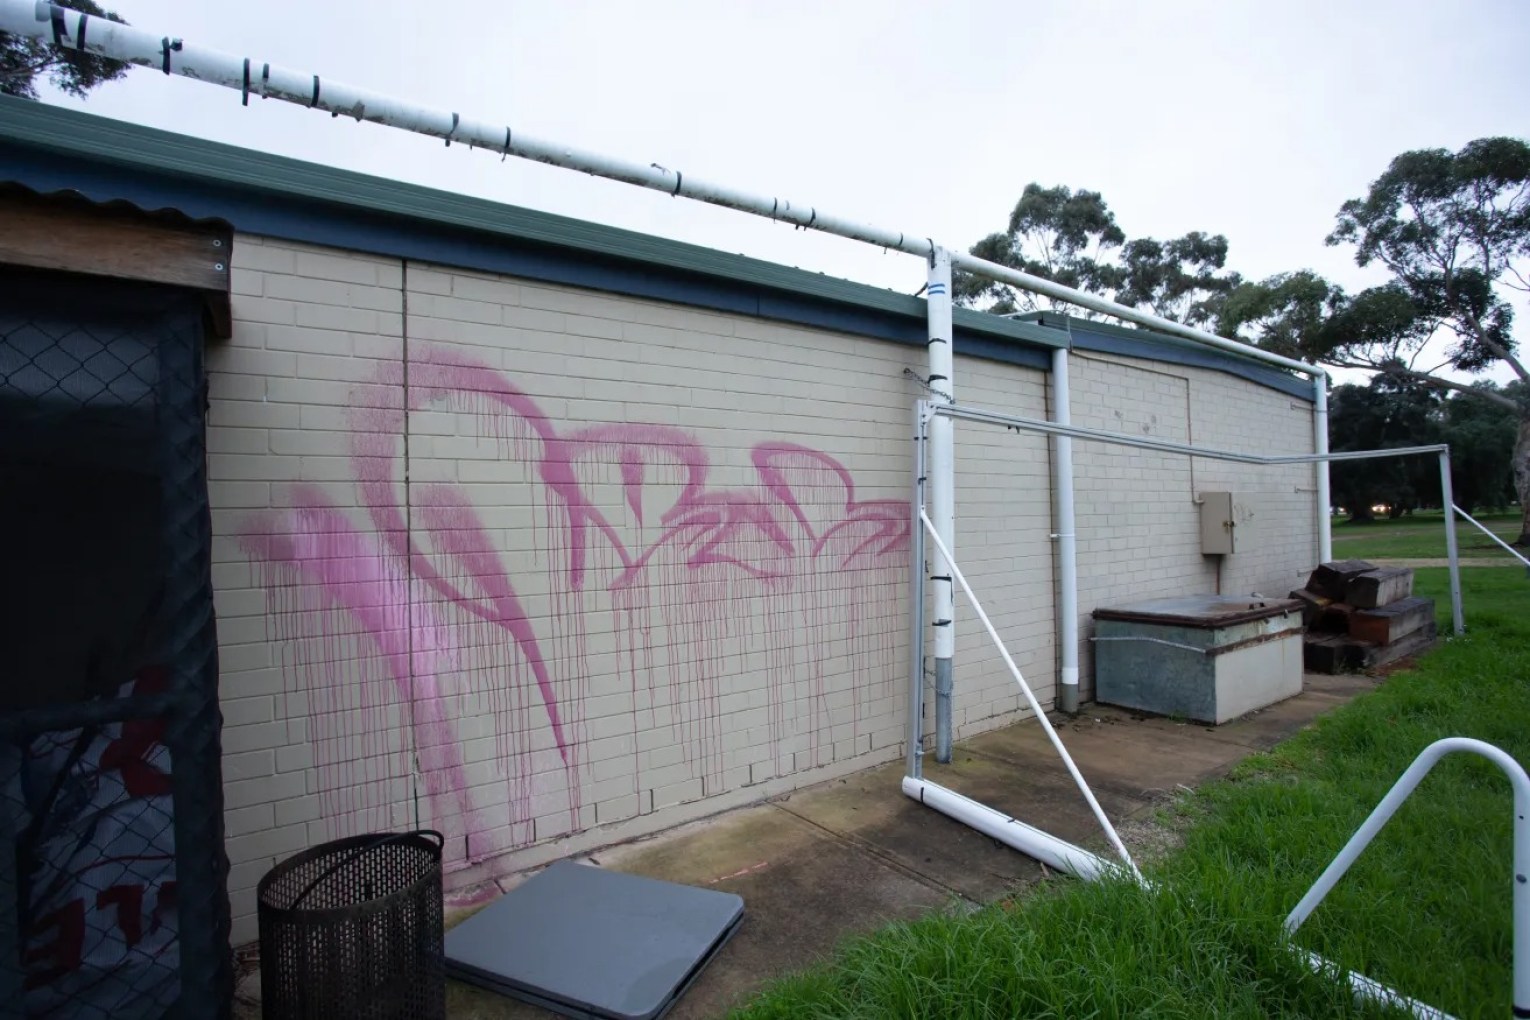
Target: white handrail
[(1483, 528), (1394, 799), (1030, 697)]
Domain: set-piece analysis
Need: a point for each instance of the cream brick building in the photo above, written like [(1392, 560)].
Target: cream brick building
[(547, 535)]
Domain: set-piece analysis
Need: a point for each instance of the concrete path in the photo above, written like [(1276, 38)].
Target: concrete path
[(851, 855)]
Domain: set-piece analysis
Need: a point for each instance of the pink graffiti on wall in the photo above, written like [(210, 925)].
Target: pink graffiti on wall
[(444, 621)]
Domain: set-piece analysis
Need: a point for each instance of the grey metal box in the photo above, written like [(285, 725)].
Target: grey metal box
[(1219, 526), (1206, 657)]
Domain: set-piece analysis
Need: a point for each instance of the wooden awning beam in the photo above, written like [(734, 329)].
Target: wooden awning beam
[(77, 236)]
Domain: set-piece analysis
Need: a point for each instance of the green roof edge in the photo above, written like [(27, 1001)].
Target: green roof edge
[(1140, 333), (117, 142)]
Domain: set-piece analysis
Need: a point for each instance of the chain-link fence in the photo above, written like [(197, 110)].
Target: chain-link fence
[(115, 903)]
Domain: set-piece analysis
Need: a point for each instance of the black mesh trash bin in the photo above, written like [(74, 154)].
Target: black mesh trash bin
[(353, 928)]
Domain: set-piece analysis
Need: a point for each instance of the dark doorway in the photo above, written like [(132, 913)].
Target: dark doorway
[(110, 791)]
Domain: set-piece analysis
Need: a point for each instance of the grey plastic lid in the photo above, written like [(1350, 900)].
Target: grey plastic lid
[(588, 942)]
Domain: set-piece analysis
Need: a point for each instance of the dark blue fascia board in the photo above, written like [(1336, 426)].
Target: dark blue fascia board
[(1171, 351), (296, 219)]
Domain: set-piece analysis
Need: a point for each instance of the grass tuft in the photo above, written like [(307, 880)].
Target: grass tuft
[(1426, 909)]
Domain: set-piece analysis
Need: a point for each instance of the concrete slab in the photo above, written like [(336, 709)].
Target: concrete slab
[(712, 851), (1040, 794), (798, 908), (1257, 731), (1116, 750), (821, 864), (1345, 685), (1262, 730), (868, 811), (804, 890)]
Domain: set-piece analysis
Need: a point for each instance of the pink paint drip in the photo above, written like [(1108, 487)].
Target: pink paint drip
[(429, 592), (319, 543)]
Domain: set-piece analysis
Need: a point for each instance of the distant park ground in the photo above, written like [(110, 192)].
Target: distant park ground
[(1421, 535)]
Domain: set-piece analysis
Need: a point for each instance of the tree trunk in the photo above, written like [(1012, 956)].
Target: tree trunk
[(1522, 479)]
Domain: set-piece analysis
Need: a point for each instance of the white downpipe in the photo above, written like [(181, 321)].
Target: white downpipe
[(942, 492), (1320, 447), (1067, 539), (1029, 840), (1030, 698), (162, 52)]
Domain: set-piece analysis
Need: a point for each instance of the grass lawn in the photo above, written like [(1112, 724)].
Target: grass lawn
[(1422, 536), (1426, 909)]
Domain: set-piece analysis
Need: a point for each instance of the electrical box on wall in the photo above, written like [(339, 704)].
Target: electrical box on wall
[(1219, 527)]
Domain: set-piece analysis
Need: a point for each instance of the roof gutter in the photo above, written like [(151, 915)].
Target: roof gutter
[(74, 30)]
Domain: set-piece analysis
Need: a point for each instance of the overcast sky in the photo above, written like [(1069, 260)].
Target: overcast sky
[(1255, 120)]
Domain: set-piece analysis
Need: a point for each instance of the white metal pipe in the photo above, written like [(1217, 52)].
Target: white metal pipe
[(914, 753), (1063, 855), (1394, 799), (1030, 698), (1369, 989), (941, 488), (1105, 306), (1453, 557), (1320, 446), (1067, 540), (71, 29), (1483, 528), (1019, 423), (1080, 863), (264, 80), (1029, 840)]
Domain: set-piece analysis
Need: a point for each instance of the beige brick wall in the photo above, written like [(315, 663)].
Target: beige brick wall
[(1003, 524), (633, 516), (1138, 522), (648, 562)]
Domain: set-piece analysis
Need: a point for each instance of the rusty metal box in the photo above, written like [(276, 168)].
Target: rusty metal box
[(1205, 657)]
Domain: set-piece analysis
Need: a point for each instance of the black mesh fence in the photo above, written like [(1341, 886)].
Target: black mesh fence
[(113, 895)]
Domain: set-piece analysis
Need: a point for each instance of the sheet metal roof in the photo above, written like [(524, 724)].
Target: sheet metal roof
[(52, 149), (175, 158)]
